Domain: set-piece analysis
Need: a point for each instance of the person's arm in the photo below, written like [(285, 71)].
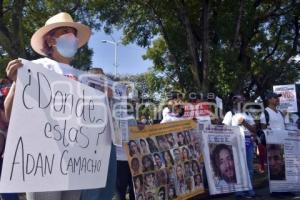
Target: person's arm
[(251, 128), (9, 101), (11, 73)]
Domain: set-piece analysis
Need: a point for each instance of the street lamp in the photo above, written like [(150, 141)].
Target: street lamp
[(115, 45)]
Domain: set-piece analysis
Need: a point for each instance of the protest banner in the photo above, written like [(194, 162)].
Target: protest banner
[(288, 100), (199, 110), (225, 159), (58, 136), (283, 149), (166, 161), (117, 103)]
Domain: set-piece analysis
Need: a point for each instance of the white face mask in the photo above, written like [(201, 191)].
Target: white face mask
[(67, 45)]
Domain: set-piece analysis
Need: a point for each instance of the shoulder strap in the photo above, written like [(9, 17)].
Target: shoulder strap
[(281, 113), (267, 116)]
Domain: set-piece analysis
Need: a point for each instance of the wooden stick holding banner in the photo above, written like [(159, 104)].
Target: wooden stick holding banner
[(58, 136)]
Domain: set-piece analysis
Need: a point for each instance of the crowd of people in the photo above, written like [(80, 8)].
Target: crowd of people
[(58, 42)]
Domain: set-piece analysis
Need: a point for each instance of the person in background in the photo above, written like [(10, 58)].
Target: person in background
[(175, 113), (4, 89), (274, 118), (237, 116)]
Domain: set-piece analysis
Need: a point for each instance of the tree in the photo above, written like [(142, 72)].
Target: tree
[(227, 46)]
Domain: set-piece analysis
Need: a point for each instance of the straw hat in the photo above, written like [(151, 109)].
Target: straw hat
[(60, 20)]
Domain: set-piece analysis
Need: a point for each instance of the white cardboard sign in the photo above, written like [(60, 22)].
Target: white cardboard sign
[(59, 134)]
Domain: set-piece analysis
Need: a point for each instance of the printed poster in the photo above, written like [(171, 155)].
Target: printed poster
[(117, 93), (166, 161), (283, 147), (225, 159), (58, 136), (288, 100)]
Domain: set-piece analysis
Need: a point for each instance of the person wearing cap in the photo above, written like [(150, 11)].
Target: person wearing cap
[(58, 41), (275, 118), (237, 116)]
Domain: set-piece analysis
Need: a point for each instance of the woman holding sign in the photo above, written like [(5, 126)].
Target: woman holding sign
[(58, 41)]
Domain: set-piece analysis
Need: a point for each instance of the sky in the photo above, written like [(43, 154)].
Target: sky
[(129, 57)]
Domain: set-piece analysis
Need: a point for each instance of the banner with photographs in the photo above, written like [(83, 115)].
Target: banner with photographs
[(166, 161), (288, 100), (225, 159), (283, 149)]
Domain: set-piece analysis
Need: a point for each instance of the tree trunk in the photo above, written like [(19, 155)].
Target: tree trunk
[(191, 42), (205, 48), (11, 35)]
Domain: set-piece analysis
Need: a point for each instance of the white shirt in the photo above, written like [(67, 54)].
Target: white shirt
[(170, 117), (232, 120), (60, 68), (276, 120), (165, 112)]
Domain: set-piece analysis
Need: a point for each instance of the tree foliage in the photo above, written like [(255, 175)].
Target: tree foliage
[(220, 46)]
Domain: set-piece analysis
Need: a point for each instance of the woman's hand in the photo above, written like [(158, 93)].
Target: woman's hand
[(12, 68)]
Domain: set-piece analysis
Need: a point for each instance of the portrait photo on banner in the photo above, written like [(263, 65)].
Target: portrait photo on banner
[(283, 147), (222, 161), (166, 166), (276, 161), (225, 160)]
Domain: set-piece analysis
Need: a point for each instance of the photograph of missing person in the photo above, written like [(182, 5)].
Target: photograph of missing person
[(195, 167), (185, 154), (148, 164), (188, 169), (276, 161), (161, 193), (161, 177), (188, 136), (151, 144), (171, 175), (177, 155), (222, 160), (197, 180), (171, 192), (135, 166), (159, 163), (138, 184), (134, 149), (144, 147), (149, 181), (181, 140), (189, 182), (162, 142), (171, 140), (198, 151), (140, 197), (168, 158)]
